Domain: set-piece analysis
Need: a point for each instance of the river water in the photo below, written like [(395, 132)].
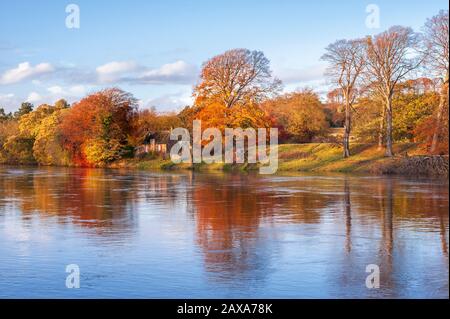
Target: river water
[(136, 234)]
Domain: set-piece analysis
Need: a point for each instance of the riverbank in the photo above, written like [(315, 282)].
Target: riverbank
[(323, 157)]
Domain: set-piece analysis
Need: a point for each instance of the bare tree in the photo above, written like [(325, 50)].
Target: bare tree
[(389, 60), (436, 54), (346, 63), (236, 77)]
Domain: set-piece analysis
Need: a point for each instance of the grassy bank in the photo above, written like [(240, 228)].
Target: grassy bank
[(324, 157)]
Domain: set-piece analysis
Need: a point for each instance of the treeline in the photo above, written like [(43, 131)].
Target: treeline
[(102, 127), (389, 87), (376, 66), (378, 98)]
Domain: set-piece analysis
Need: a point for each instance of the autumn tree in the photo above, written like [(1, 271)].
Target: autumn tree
[(236, 77), (388, 61), (346, 62), (25, 108), (436, 42), (186, 116), (410, 110), (148, 121), (17, 149), (29, 123), (366, 119), (61, 104), (37, 138), (4, 116), (7, 130), (412, 105), (48, 148), (96, 130), (213, 113), (18, 146), (334, 108), (300, 116)]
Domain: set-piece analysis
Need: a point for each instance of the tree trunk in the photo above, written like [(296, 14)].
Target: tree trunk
[(347, 126), (381, 131), (389, 152), (440, 114)]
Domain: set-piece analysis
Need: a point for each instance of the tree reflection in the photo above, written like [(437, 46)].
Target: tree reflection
[(236, 218), (89, 198), (348, 216), (243, 224), (228, 217)]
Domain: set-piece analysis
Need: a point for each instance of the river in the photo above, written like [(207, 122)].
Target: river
[(140, 234)]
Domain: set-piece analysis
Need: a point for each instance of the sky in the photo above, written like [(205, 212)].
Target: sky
[(155, 49)]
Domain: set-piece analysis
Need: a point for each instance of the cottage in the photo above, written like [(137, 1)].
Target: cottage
[(156, 143)]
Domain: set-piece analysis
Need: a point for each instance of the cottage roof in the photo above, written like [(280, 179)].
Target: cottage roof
[(161, 137)]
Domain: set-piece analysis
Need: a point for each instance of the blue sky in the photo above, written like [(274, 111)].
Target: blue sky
[(154, 49)]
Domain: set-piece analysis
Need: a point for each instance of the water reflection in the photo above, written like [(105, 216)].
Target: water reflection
[(283, 236), (238, 221), (84, 197), (348, 216), (227, 218)]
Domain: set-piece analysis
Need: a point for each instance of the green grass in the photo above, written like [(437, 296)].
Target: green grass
[(328, 157), (313, 157)]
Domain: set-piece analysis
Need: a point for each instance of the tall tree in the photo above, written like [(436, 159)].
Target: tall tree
[(346, 63), (389, 60), (97, 128), (299, 116), (4, 116), (61, 104), (436, 41), (236, 77), (25, 108)]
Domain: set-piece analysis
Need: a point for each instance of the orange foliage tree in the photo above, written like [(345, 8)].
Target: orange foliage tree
[(148, 120), (232, 87), (299, 116), (97, 128), (237, 77)]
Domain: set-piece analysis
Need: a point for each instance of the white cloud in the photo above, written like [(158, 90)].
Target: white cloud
[(25, 71), (170, 69), (178, 72), (56, 92), (169, 102), (115, 72), (55, 89), (112, 71), (7, 101), (78, 90), (305, 75), (34, 97), (48, 83), (6, 96), (49, 95)]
